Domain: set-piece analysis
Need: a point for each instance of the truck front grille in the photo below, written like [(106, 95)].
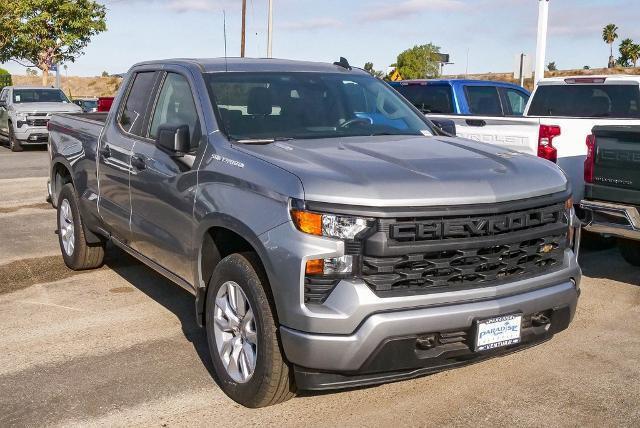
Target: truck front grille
[(37, 122), (427, 255)]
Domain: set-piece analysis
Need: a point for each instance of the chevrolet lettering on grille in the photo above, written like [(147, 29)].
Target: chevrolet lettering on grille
[(472, 227)]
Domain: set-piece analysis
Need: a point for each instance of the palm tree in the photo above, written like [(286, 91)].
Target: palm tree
[(609, 35), (626, 52), (634, 54)]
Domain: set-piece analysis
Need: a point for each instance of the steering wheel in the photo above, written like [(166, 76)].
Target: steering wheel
[(353, 120)]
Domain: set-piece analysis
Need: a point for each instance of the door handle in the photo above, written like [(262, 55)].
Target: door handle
[(138, 162), (105, 152), (476, 122)]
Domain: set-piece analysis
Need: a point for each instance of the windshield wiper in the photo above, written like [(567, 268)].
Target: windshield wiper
[(259, 141)]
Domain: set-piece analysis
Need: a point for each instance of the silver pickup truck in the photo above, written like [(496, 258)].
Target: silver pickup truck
[(25, 112), (331, 234)]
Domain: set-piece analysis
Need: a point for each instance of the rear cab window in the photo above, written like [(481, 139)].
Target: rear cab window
[(621, 101), (136, 108), (483, 100), (514, 101), (428, 98)]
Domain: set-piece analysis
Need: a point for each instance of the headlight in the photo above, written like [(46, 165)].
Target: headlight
[(329, 225), (21, 116)]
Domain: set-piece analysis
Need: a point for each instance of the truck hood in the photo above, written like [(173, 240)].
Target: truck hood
[(401, 171), (46, 108)]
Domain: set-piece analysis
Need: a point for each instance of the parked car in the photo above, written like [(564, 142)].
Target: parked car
[(612, 194), (331, 234), (104, 104), (558, 117), (88, 105), (25, 112)]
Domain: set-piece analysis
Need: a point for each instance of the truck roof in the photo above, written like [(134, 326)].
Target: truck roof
[(212, 65), (603, 78)]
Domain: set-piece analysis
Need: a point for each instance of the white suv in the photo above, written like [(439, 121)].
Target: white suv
[(25, 112)]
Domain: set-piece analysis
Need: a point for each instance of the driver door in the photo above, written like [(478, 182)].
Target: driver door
[(163, 185)]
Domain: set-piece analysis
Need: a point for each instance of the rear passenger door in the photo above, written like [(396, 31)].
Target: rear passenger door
[(163, 185), (115, 149)]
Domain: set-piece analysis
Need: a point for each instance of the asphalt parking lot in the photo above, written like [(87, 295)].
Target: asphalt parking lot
[(119, 346)]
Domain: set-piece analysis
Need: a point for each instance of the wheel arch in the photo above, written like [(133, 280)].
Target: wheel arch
[(218, 236)]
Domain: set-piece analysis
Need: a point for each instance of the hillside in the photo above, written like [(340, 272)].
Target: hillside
[(108, 86), (77, 86)]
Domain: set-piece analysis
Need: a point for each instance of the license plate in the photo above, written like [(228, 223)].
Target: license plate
[(498, 332)]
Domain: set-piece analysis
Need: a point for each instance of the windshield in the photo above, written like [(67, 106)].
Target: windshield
[(39, 96), (589, 101), (275, 105), (428, 98)]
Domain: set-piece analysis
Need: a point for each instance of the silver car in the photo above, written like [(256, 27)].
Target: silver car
[(25, 112)]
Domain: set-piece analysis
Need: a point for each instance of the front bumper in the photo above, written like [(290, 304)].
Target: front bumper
[(390, 345), (612, 219), (32, 135)]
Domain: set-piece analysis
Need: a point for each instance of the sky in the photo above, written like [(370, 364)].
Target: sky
[(480, 35)]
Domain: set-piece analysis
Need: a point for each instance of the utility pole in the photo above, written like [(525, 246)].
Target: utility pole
[(244, 27), (522, 69), (543, 21), (270, 31)]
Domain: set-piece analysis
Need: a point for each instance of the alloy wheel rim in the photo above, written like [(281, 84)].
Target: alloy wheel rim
[(235, 332), (67, 229)]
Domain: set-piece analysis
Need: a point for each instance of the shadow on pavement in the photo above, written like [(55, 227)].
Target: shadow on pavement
[(174, 298)]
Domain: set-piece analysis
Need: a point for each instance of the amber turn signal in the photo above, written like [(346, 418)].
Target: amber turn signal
[(307, 222), (315, 267), (568, 204)]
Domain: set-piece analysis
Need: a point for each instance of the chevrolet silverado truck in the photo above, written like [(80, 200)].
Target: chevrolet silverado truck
[(557, 117), (25, 111), (332, 236), (612, 194)]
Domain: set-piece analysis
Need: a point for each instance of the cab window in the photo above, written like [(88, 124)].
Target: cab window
[(516, 101), (484, 100), (176, 107), (135, 109)]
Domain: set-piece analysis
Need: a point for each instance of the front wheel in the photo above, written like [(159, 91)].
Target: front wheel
[(242, 334), (14, 144), (77, 253)]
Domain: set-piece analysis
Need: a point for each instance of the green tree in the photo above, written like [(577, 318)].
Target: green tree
[(3, 71), (634, 54), (105, 74), (626, 52), (368, 67), (419, 62), (609, 35), (45, 32), (552, 66)]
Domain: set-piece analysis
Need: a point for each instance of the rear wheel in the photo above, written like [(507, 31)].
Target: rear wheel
[(77, 253), (630, 251), (242, 334), (14, 144)]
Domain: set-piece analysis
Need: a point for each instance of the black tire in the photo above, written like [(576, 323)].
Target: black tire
[(83, 255), (630, 251), (272, 381), (14, 144)]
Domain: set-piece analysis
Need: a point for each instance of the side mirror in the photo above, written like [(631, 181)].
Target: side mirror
[(174, 139), (446, 125)]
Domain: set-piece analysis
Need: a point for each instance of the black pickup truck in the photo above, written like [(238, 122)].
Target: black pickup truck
[(612, 194)]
